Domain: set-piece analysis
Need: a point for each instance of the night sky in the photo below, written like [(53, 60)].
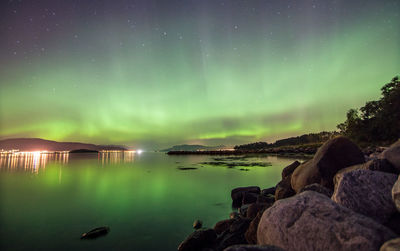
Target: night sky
[(157, 73)]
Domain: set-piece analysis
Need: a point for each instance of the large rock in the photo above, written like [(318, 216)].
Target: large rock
[(381, 165), (251, 233), (234, 235), (198, 240), (223, 225), (312, 221), (290, 169), (391, 245), (254, 208), (317, 188), (252, 248), (396, 194), (366, 192), (238, 193), (284, 189), (332, 156), (267, 191), (393, 154)]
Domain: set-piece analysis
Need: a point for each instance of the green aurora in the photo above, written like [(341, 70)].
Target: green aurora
[(160, 79)]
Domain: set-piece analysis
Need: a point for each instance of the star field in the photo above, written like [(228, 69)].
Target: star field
[(156, 73)]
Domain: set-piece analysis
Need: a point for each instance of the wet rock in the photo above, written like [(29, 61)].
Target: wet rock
[(381, 165), (95, 233), (251, 233), (391, 245), (222, 226), (237, 194), (254, 208), (243, 210), (318, 188), (332, 156), (197, 224), (312, 221), (267, 191), (249, 198), (233, 215), (235, 234), (366, 192), (284, 189), (396, 194), (269, 198), (393, 154), (253, 248), (199, 240), (287, 171)]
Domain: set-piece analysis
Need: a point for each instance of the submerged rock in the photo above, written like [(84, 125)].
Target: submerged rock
[(332, 156), (312, 221), (366, 192), (198, 240), (95, 233), (197, 224)]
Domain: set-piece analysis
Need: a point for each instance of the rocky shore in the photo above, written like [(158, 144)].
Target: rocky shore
[(341, 199)]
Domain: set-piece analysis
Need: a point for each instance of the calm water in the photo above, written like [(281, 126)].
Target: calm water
[(47, 201)]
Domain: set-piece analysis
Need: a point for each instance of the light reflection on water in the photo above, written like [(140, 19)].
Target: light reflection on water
[(35, 161)]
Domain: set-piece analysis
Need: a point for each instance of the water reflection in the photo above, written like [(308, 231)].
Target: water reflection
[(31, 161), (116, 157)]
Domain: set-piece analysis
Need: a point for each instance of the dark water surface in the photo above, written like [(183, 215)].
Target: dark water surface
[(48, 200)]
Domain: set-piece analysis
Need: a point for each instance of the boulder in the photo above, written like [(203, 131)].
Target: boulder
[(223, 225), (269, 198), (332, 156), (198, 240), (238, 193), (234, 235), (312, 221), (284, 189), (290, 169), (251, 233), (392, 154), (254, 208), (396, 194), (317, 188), (391, 245), (249, 198), (381, 165), (366, 192), (267, 191), (252, 248)]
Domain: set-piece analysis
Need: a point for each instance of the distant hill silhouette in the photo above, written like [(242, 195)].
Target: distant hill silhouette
[(35, 144), (192, 148), (304, 139)]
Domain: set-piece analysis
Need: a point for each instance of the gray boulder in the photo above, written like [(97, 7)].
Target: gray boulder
[(381, 165), (252, 248), (312, 221), (393, 154), (396, 194), (366, 192), (391, 245), (332, 156)]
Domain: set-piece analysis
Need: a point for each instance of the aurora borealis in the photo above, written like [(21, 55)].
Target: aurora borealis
[(158, 73)]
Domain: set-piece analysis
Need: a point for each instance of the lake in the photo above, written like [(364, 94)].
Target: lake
[(48, 200)]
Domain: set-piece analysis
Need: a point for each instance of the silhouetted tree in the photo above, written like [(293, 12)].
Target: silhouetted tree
[(377, 121)]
